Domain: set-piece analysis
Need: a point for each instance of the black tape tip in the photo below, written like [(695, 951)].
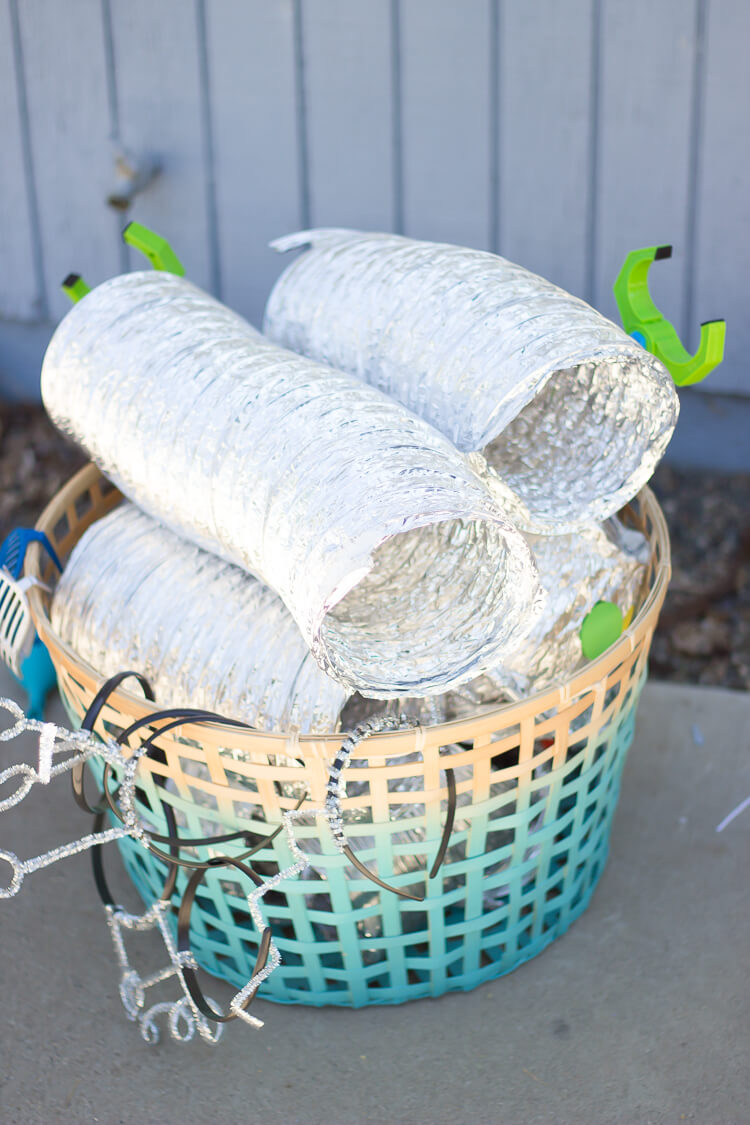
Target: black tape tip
[(662, 252), (71, 280), (705, 323)]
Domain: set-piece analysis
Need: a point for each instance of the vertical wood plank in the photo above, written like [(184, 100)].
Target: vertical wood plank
[(643, 187), (348, 74), (445, 120), (722, 265), (545, 62), (70, 140), (161, 113), (252, 85), (19, 295)]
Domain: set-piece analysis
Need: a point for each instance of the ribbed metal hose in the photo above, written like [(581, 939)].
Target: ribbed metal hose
[(578, 570), (569, 411), (203, 632), (396, 562)]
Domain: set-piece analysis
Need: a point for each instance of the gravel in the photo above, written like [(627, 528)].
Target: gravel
[(704, 631), (35, 461)]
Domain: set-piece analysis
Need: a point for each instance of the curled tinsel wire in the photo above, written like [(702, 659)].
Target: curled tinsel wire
[(192, 1011)]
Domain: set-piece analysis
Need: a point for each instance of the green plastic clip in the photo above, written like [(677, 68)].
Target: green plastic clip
[(644, 322), (158, 251), (75, 287), (601, 627)]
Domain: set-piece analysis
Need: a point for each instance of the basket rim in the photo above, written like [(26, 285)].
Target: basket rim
[(481, 722)]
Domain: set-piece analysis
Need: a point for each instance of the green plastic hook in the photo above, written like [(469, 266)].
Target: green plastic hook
[(75, 287), (642, 319), (158, 251)]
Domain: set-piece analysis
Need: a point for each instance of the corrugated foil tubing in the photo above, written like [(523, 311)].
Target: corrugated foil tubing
[(569, 411), (599, 563), (205, 633), (399, 567)]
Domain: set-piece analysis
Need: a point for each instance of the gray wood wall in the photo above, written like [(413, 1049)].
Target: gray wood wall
[(560, 133)]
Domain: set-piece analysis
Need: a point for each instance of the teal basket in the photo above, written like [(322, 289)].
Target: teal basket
[(537, 786), (521, 867)]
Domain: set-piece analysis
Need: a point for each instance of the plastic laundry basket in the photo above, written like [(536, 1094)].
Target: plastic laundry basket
[(537, 787)]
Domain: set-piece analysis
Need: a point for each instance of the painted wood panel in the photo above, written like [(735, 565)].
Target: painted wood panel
[(20, 298), (545, 144), (446, 114), (646, 89), (66, 83), (162, 113), (253, 96), (348, 72), (563, 134), (721, 269)]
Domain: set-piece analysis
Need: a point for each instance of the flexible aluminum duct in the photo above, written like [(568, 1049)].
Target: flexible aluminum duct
[(606, 563), (395, 561), (571, 413), (426, 711), (203, 632), (599, 563)]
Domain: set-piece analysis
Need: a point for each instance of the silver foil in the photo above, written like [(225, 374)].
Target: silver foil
[(606, 563), (571, 414), (203, 632), (425, 710), (396, 562)]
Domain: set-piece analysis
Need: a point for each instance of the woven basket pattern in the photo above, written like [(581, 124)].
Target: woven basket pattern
[(537, 789)]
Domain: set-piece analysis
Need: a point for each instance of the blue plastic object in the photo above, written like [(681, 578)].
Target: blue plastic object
[(38, 675), (14, 547), (38, 678)]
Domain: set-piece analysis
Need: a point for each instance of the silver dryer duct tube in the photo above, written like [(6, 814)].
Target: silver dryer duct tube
[(569, 411), (393, 557)]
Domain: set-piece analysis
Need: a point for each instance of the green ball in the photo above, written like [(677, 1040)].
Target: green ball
[(600, 629)]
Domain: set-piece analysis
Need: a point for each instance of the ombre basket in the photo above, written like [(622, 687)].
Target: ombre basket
[(527, 828)]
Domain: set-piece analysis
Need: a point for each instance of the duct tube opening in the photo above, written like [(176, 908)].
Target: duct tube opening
[(422, 641), (587, 442)]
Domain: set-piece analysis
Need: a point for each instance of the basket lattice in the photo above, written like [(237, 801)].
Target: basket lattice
[(537, 788)]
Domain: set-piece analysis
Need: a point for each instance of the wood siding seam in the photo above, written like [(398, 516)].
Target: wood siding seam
[(592, 217), (397, 117), (494, 130), (28, 165), (303, 158), (209, 162), (111, 69), (114, 113)]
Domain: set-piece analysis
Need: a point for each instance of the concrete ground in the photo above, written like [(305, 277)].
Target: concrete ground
[(640, 1013)]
